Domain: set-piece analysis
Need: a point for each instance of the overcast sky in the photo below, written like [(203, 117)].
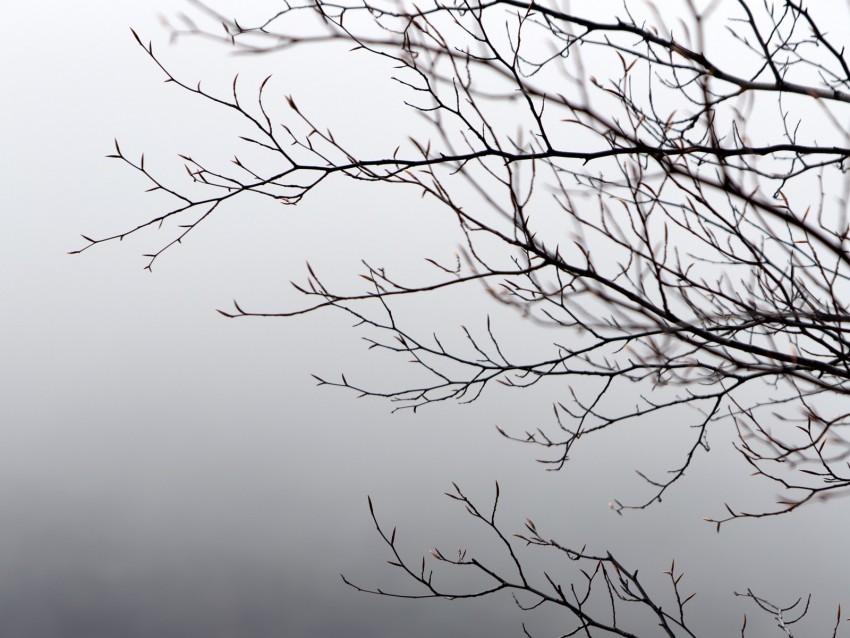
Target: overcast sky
[(167, 472)]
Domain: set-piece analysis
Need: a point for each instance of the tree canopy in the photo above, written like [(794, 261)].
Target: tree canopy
[(665, 191)]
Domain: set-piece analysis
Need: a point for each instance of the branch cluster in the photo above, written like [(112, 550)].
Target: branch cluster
[(672, 201)]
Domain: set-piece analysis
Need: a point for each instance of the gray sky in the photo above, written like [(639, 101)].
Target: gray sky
[(167, 472)]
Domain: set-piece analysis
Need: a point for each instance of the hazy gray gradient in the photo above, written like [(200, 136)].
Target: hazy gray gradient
[(167, 472)]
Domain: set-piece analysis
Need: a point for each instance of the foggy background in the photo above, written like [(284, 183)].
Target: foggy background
[(167, 472)]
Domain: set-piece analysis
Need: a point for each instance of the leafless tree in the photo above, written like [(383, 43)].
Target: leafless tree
[(667, 190)]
